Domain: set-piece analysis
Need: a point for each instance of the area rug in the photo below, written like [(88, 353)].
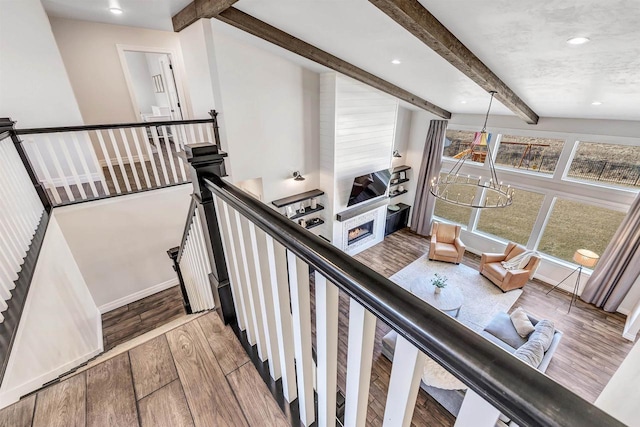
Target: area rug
[(482, 299)]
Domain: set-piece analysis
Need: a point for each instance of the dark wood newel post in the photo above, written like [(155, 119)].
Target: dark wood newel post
[(206, 160), (8, 125)]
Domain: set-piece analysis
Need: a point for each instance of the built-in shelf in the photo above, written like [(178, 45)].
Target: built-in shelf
[(322, 237), (396, 194), (402, 168), (281, 203), (315, 224), (399, 181), (308, 211)]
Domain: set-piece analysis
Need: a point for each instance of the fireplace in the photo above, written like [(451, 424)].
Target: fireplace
[(359, 232)]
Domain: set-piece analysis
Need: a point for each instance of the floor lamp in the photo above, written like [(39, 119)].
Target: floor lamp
[(584, 258)]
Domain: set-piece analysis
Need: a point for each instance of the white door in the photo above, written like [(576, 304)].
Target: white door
[(170, 81)]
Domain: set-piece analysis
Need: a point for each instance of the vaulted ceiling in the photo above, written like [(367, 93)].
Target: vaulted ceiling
[(523, 43)]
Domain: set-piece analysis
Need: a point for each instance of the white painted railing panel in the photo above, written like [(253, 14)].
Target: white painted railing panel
[(408, 364), (301, 310), (195, 267), (83, 165), (327, 349), (20, 214)]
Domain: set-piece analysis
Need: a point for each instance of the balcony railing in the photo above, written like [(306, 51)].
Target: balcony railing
[(80, 163)]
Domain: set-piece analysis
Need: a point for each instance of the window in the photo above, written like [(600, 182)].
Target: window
[(606, 163), (459, 141), (513, 223), (574, 225), (451, 212), (531, 154)]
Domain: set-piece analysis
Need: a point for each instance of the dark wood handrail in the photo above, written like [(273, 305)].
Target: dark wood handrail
[(515, 388), (111, 126)]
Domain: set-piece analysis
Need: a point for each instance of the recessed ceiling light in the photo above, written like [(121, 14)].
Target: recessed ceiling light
[(115, 10), (596, 103), (463, 102), (578, 40), (396, 61)]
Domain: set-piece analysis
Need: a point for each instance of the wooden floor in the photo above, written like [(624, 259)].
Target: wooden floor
[(589, 353), (197, 374), (130, 321)]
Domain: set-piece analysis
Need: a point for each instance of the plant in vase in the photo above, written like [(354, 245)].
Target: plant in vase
[(439, 282)]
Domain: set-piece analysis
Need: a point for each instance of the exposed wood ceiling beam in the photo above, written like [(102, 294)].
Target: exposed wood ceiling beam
[(286, 41), (411, 15), (199, 9)]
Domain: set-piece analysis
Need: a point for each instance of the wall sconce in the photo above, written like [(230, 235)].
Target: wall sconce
[(396, 154), (297, 176)]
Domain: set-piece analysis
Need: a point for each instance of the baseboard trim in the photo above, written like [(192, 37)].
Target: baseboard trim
[(11, 396), (120, 302)]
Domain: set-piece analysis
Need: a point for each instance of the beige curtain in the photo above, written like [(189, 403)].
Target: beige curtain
[(431, 162), (619, 265)]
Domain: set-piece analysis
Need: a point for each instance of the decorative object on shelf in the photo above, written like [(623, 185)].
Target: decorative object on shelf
[(297, 176), (400, 188), (302, 222), (301, 208), (313, 203), (496, 194), (393, 208), (584, 258), (290, 211), (439, 282), (402, 175), (396, 154)]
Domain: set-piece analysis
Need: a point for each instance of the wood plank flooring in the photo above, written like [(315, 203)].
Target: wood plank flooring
[(172, 380), (127, 322), (589, 353)]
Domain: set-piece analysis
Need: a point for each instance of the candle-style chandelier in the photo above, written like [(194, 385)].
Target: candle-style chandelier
[(460, 190)]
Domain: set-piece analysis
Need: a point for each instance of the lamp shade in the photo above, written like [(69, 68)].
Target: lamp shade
[(586, 258)]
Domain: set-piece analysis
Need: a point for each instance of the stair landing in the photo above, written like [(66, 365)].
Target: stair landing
[(196, 374)]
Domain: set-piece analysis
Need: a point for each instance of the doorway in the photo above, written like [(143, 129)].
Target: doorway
[(152, 84)]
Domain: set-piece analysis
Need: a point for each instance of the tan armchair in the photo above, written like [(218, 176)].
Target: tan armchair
[(445, 243), (492, 269)]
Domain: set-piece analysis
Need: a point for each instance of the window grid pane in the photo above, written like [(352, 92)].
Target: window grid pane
[(455, 213), (574, 225), (607, 164), (531, 154), (513, 223)]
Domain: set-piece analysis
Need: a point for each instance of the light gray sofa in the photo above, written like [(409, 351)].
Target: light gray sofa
[(499, 331)]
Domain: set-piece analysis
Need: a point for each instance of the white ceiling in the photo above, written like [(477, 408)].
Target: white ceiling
[(153, 14), (524, 43)]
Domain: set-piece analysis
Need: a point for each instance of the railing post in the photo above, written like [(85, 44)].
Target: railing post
[(206, 160), (8, 125), (173, 254)]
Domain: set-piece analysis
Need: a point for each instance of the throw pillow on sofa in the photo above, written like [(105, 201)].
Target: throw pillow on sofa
[(521, 322), (531, 352), (544, 331)]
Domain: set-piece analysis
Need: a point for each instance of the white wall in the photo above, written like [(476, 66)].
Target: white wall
[(621, 395), (121, 243), (198, 52), (60, 326), (269, 109), (95, 70), (34, 86)]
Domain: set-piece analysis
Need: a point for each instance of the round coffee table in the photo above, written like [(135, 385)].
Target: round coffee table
[(449, 300)]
